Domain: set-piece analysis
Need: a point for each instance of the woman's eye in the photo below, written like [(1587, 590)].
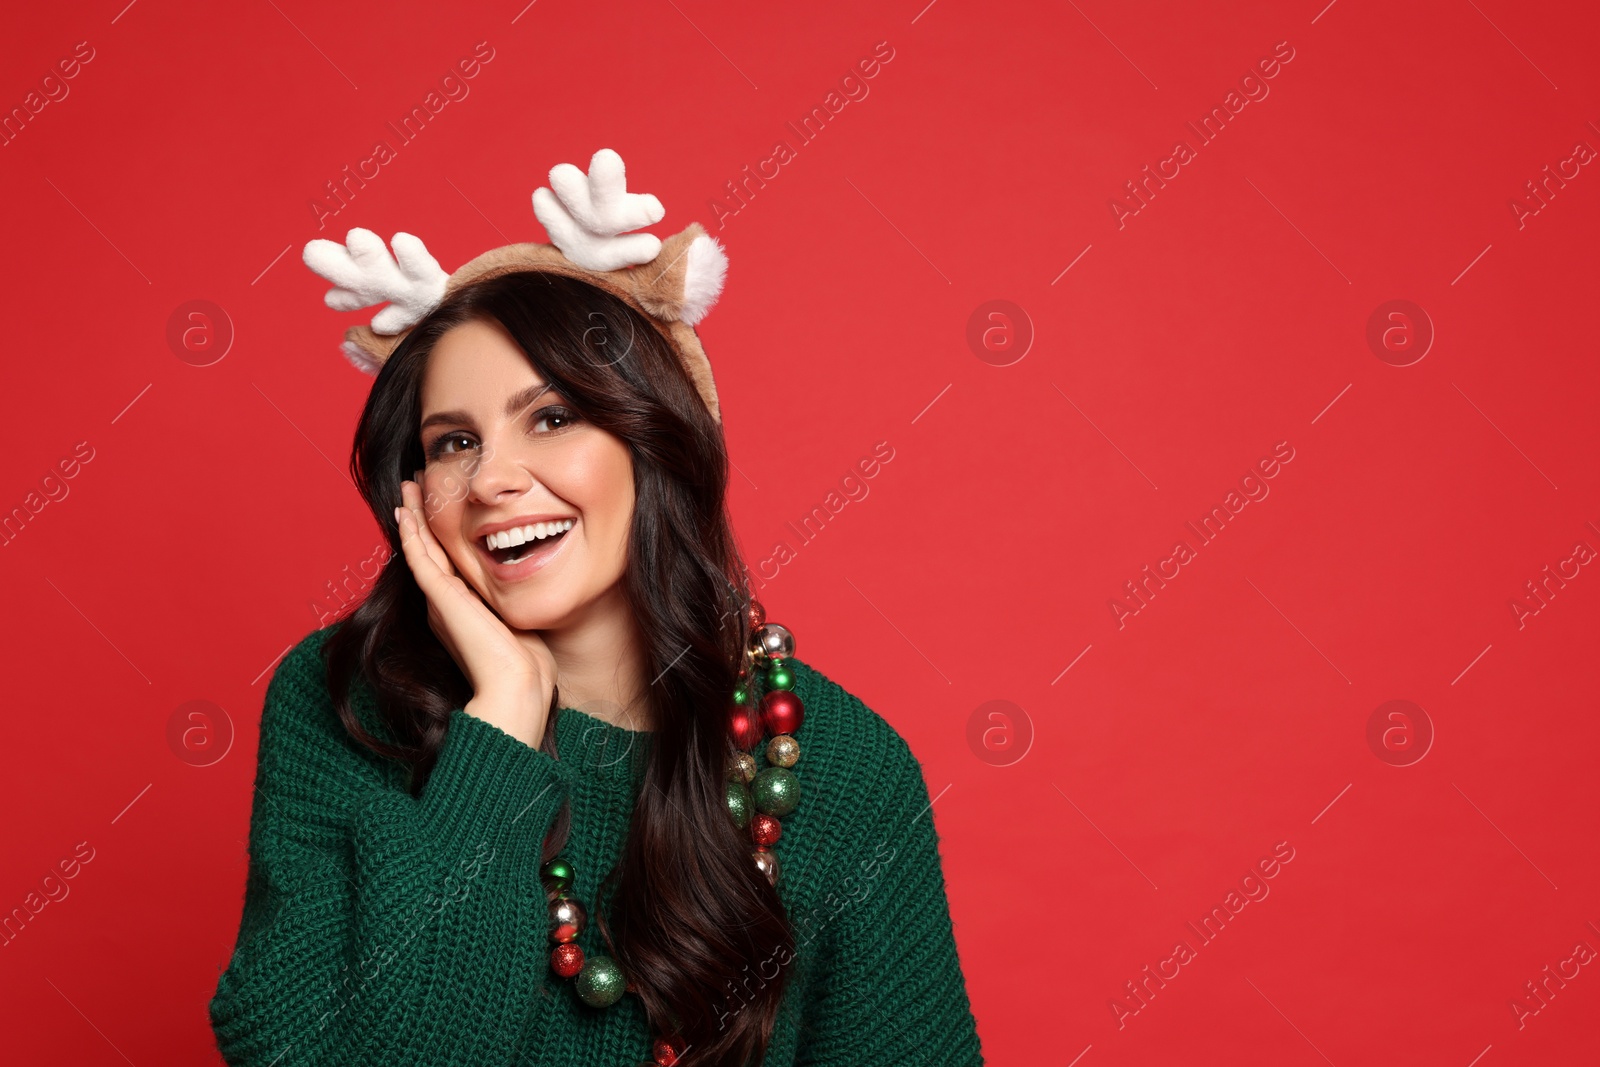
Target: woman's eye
[(441, 444), (550, 419)]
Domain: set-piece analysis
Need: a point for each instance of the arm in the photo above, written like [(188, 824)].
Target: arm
[(378, 927), (889, 985)]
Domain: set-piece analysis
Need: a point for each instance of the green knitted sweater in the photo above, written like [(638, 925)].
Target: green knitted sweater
[(382, 928)]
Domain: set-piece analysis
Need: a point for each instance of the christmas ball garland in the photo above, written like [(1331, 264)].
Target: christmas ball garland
[(757, 798), (774, 790)]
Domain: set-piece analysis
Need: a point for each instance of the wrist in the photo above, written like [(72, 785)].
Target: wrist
[(519, 712)]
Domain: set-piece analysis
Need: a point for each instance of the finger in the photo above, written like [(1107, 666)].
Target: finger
[(448, 596), (443, 589), (411, 497), (411, 492), (441, 558), (449, 617), (422, 566)]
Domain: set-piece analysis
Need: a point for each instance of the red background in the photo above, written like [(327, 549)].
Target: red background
[(1228, 715)]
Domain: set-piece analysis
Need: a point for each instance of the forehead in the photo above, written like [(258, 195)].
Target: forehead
[(474, 367)]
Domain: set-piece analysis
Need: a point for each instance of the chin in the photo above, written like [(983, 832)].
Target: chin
[(547, 599), (533, 619), (531, 611)]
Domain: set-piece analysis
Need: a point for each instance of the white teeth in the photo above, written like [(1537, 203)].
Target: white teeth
[(521, 535)]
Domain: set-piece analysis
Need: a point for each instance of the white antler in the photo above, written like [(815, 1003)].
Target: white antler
[(364, 274), (588, 215)]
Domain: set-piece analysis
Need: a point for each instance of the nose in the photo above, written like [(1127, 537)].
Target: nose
[(498, 476)]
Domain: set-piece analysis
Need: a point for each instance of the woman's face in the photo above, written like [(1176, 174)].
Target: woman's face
[(508, 456)]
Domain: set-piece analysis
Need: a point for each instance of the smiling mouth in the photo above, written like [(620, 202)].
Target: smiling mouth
[(515, 546)]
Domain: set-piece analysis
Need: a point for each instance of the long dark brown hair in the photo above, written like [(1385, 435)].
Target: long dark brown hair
[(685, 913)]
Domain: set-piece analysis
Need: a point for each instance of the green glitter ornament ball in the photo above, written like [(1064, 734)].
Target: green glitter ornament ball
[(777, 791), (600, 983), (739, 803)]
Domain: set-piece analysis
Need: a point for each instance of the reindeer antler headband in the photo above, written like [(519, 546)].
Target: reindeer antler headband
[(673, 283)]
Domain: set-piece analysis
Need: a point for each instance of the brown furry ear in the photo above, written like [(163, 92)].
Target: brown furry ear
[(659, 285), (368, 350)]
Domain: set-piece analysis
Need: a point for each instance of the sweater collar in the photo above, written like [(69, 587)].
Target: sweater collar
[(599, 750)]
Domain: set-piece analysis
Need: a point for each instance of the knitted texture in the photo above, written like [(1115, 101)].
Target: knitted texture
[(382, 928)]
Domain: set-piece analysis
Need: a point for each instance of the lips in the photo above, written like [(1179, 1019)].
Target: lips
[(521, 520), (516, 553), (520, 561)]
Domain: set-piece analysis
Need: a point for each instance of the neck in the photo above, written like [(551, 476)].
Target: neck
[(600, 663)]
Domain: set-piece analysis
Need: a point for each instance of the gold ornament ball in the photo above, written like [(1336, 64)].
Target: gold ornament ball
[(742, 767), (767, 864), (783, 751)]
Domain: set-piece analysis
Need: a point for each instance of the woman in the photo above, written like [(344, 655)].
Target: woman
[(504, 814)]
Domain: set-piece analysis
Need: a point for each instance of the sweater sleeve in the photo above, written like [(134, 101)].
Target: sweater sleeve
[(889, 981), (378, 927)]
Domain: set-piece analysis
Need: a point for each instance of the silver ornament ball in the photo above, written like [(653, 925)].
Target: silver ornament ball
[(567, 919), (772, 641), (767, 864)]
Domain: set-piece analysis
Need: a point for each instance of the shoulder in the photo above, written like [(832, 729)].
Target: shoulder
[(300, 726), (854, 765), (299, 686), (301, 667), (861, 825)]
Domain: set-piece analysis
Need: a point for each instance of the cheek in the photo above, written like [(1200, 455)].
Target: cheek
[(444, 492), (598, 479)]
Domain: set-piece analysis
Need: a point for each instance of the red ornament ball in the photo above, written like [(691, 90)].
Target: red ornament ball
[(782, 712), (765, 829), (744, 726), (666, 1051), (566, 959)]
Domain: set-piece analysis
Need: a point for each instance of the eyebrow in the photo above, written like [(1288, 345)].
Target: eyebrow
[(514, 406)]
